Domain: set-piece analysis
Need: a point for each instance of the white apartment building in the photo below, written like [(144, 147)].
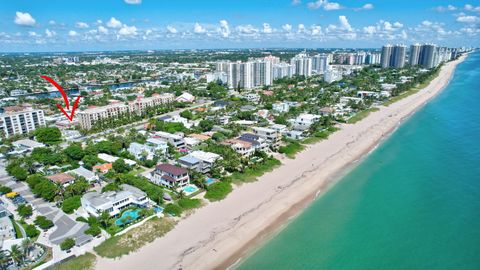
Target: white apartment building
[(112, 202), (142, 151), (20, 122), (332, 75), (302, 65), (89, 117), (320, 63)]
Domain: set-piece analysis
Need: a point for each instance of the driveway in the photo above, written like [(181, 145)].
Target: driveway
[(65, 226)]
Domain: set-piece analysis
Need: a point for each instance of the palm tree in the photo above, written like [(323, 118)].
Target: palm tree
[(4, 258), (27, 245), (17, 255)]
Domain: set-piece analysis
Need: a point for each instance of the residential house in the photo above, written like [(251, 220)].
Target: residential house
[(141, 151), (271, 136), (111, 159), (199, 160), (87, 174), (113, 202), (26, 144), (304, 121), (176, 140), (185, 97), (61, 178), (170, 176), (103, 168)]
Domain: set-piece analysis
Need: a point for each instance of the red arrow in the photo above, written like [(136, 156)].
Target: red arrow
[(65, 98)]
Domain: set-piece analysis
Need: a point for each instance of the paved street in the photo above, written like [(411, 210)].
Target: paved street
[(65, 226)]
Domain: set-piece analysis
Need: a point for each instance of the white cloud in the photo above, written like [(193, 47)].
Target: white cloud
[(114, 23), (316, 30), (72, 33), (267, 29), (171, 29), (24, 19), (325, 4), (52, 22), (50, 33), (246, 29), (301, 28), (296, 2), (447, 8), (398, 25), (224, 28), (32, 34), (287, 27), (344, 23), (133, 2), (81, 25), (198, 29), (426, 23), (331, 6), (468, 7), (367, 6), (102, 29), (467, 19), (127, 30), (370, 30)]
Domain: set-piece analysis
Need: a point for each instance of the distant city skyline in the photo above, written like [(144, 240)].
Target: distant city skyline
[(56, 26)]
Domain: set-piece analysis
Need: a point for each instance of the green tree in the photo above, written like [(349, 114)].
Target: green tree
[(67, 244), (31, 231), (43, 222), (71, 204), (48, 135), (74, 151), (93, 230), (19, 173), (120, 166), (206, 125), (24, 210)]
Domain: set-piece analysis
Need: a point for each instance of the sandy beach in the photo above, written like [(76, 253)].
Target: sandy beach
[(219, 234)]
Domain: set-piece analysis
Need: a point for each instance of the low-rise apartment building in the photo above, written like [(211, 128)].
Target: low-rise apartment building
[(89, 117)]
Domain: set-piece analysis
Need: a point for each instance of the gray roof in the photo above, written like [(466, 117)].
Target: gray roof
[(81, 171), (98, 199), (189, 159)]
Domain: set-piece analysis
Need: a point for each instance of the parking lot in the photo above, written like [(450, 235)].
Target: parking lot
[(64, 227)]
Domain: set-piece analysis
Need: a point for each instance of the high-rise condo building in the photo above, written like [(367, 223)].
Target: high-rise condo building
[(13, 122)]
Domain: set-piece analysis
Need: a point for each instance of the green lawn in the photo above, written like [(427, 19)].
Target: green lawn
[(254, 171), (16, 227), (320, 135), (291, 149), (361, 115), (218, 191), (134, 239), (82, 262)]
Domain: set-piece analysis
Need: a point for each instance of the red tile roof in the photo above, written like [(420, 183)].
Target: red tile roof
[(61, 178)]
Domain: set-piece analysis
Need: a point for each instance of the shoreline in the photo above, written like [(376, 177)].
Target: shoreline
[(221, 234)]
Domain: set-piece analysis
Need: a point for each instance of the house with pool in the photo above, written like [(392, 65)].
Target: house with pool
[(170, 176), (94, 203)]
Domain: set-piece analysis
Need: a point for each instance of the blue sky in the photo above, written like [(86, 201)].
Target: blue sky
[(35, 25)]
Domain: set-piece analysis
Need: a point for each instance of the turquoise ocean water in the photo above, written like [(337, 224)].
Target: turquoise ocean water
[(413, 203)]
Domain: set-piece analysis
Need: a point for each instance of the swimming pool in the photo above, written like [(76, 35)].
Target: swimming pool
[(127, 217), (210, 181), (190, 189)]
